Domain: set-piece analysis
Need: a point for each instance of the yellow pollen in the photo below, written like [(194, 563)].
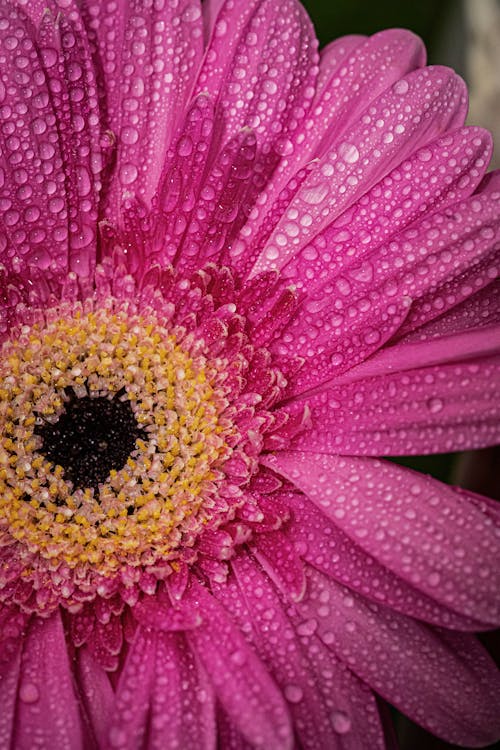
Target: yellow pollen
[(164, 491)]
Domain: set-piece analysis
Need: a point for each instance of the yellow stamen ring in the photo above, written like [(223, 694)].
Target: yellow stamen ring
[(166, 491)]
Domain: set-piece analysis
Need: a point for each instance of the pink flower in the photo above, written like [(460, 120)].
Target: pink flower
[(233, 273)]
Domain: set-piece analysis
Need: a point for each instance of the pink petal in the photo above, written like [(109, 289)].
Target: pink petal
[(279, 559), (375, 273), (437, 176), (10, 667), (52, 197), (424, 531), (434, 409), (228, 735), (372, 67), (163, 696), (328, 549), (367, 153), (332, 55), (442, 680), (481, 309), (244, 34), (182, 705), (47, 707), (272, 99), (387, 56), (128, 724), (96, 694), (242, 684), (329, 706), (147, 59)]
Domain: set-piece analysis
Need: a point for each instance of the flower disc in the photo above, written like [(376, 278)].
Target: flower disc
[(113, 438)]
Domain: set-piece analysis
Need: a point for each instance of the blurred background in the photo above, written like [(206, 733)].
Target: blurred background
[(465, 35)]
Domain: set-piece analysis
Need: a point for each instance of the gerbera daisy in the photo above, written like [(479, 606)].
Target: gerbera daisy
[(234, 272)]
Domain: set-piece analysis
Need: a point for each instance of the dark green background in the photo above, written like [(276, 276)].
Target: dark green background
[(428, 18)]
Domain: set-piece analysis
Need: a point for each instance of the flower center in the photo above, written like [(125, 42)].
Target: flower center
[(91, 437), (113, 439)]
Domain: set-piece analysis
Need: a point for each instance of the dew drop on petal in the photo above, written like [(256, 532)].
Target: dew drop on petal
[(117, 737), (29, 693), (435, 405), (238, 658), (128, 174), (401, 87), (434, 579), (293, 693), (348, 153), (341, 722), (315, 194), (336, 359)]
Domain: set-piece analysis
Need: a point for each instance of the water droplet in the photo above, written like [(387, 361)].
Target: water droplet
[(401, 87), (315, 194), (283, 146), (434, 579), (29, 693), (337, 359), (348, 153), (238, 657), (424, 154), (191, 14), (435, 405), (293, 693), (341, 722), (128, 174)]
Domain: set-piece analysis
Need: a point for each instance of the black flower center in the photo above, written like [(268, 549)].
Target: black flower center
[(91, 437)]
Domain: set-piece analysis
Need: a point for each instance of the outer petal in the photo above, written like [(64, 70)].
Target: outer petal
[(417, 527), (440, 408), (11, 639), (365, 277), (444, 681), (262, 87), (147, 56), (329, 706), (354, 82), (96, 694), (327, 548), (244, 688), (183, 704), (51, 159), (367, 153), (433, 178), (332, 55), (47, 707), (129, 722)]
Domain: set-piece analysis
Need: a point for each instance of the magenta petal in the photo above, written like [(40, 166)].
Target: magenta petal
[(10, 667), (423, 530), (433, 409), (147, 59), (444, 681), (371, 68), (328, 549), (163, 698), (52, 195), (329, 706), (271, 98), (242, 684), (182, 703), (96, 694), (366, 154), (332, 55), (128, 726), (380, 276), (47, 707)]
